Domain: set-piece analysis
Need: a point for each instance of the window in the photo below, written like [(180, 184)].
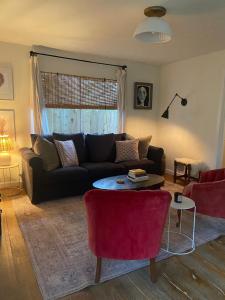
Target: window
[(80, 104)]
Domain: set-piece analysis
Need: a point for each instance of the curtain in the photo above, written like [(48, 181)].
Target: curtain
[(121, 79), (38, 110)]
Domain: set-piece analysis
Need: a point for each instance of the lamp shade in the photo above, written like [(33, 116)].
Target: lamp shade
[(153, 30), (5, 143), (165, 115)]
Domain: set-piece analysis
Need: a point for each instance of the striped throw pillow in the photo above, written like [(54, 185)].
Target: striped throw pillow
[(67, 153)]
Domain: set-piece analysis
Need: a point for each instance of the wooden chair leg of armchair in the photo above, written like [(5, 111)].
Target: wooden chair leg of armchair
[(98, 269), (153, 271)]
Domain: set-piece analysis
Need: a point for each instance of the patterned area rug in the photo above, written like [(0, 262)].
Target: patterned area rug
[(56, 236)]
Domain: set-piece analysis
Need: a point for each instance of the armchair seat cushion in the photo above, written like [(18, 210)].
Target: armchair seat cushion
[(69, 174), (145, 164), (103, 169)]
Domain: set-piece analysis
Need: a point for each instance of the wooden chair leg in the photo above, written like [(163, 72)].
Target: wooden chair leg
[(98, 269), (153, 272)]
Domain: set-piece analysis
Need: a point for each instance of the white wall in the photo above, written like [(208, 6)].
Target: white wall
[(17, 56), (138, 122), (193, 131)]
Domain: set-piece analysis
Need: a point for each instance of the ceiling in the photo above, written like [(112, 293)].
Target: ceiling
[(105, 27)]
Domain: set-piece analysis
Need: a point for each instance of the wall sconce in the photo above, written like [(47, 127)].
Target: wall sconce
[(5, 147), (166, 112)]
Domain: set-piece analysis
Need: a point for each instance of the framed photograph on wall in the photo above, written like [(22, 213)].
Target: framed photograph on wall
[(7, 123), (143, 95), (6, 83)]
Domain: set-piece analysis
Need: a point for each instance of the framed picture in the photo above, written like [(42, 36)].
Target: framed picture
[(143, 95), (7, 123), (6, 83)]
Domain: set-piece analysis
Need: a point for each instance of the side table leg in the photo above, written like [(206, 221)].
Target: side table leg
[(175, 172), (193, 233), (178, 215), (189, 173), (168, 233)]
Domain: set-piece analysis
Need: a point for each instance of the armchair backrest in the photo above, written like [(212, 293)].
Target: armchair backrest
[(126, 224), (212, 175)]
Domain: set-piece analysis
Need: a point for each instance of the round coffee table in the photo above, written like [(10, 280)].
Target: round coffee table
[(110, 183)]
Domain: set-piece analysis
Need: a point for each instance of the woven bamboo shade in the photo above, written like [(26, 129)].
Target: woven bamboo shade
[(76, 92)]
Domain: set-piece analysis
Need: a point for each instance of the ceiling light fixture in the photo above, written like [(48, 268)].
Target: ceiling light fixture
[(153, 29)]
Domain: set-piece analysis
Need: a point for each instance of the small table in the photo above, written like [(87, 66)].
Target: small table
[(190, 166), (110, 183), (6, 180), (186, 204)]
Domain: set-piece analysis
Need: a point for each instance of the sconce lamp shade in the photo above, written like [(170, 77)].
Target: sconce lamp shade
[(5, 143), (165, 115)]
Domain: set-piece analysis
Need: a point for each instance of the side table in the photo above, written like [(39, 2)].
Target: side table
[(6, 176), (186, 204), (192, 169)]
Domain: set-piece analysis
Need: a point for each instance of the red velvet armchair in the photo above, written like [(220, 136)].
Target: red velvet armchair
[(209, 193), (126, 225)]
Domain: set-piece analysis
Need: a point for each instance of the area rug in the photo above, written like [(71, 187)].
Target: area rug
[(56, 236)]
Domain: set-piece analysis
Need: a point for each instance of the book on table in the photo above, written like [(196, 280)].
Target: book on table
[(137, 175)]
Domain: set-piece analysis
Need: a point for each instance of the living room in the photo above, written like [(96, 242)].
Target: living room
[(81, 41)]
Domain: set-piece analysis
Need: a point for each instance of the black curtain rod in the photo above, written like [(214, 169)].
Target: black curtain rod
[(32, 53)]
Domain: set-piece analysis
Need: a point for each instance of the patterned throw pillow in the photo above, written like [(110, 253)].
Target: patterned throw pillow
[(127, 150), (47, 152), (67, 153)]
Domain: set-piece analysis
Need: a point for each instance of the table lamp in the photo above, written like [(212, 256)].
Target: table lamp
[(5, 147)]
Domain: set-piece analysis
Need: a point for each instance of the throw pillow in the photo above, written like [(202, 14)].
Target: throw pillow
[(143, 145), (34, 137), (127, 150), (100, 147), (79, 142), (47, 152), (67, 153)]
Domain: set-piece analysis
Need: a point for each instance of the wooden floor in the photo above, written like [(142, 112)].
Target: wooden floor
[(200, 275)]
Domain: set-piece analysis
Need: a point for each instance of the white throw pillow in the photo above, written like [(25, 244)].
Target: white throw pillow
[(67, 153), (127, 150)]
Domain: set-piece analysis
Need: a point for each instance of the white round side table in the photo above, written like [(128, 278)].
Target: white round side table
[(186, 204), (6, 180)]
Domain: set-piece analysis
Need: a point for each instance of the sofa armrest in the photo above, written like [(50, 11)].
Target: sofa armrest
[(32, 159), (157, 155), (32, 166)]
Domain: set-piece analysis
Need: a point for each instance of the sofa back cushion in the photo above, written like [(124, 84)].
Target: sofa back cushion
[(100, 147), (79, 142), (47, 152)]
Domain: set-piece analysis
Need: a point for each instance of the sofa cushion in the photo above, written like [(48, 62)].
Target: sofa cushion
[(103, 169), (67, 153), (47, 152), (100, 147), (145, 164), (34, 136), (79, 142), (127, 150), (69, 174)]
